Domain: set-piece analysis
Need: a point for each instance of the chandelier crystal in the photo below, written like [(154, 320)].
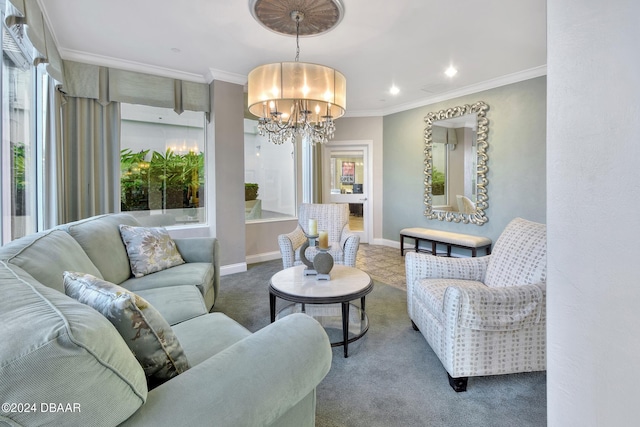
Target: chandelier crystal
[(296, 98)]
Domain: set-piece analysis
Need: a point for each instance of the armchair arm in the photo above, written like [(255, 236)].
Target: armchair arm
[(252, 383), (288, 244), (350, 242), (202, 249), (480, 307), (421, 266)]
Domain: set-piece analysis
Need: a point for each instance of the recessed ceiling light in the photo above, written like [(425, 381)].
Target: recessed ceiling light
[(394, 90), (451, 71)]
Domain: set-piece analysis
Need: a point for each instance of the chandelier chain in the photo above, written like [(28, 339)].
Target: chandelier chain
[(297, 37)]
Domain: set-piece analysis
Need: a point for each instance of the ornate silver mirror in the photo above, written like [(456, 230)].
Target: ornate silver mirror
[(456, 164)]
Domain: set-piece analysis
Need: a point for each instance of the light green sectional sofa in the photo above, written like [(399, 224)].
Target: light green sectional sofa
[(64, 363)]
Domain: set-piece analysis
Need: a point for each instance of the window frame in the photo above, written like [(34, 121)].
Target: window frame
[(185, 220), (36, 104)]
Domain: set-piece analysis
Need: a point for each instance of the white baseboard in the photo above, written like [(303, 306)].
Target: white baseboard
[(233, 268), (251, 259), (268, 256), (387, 242)]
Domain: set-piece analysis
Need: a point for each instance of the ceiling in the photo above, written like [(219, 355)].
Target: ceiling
[(406, 43)]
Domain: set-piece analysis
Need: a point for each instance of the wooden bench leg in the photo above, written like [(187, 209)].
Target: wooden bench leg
[(401, 245)]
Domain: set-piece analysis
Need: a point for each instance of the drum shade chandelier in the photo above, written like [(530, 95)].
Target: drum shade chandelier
[(297, 98)]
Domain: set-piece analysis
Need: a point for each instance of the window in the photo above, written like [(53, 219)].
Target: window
[(24, 89), (162, 162), (271, 170), (438, 175)]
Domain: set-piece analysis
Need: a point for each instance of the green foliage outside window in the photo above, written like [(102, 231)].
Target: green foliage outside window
[(437, 182), (19, 177), (18, 157), (166, 181)]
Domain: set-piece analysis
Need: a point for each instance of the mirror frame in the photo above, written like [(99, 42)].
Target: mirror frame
[(479, 217)]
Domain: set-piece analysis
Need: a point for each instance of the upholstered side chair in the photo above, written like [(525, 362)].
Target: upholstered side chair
[(333, 218), (484, 315)]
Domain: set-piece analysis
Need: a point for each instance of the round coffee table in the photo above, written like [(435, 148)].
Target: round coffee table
[(312, 296)]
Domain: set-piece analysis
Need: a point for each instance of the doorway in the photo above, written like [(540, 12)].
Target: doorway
[(346, 176)]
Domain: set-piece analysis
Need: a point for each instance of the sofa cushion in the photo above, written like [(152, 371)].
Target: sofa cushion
[(144, 330), (220, 332), (46, 255), (100, 238), (150, 249), (176, 303), (198, 274), (55, 349)]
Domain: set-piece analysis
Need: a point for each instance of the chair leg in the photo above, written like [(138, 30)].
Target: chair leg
[(415, 327), (458, 384)]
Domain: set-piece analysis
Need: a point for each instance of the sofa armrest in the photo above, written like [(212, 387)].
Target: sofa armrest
[(202, 249), (198, 249), (289, 243), (251, 383), (479, 307)]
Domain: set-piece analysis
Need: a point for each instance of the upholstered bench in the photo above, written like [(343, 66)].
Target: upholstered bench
[(458, 240)]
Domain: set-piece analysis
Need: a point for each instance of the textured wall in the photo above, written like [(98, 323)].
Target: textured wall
[(593, 290), (517, 155)]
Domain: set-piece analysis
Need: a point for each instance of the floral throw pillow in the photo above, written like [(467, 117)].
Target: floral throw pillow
[(150, 249), (142, 327)]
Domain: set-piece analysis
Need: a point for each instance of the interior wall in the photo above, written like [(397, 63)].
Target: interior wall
[(227, 128), (593, 292), (262, 239), (517, 155)]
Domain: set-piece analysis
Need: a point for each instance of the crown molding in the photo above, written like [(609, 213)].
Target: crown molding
[(107, 61), (226, 76), (467, 90), (240, 79)]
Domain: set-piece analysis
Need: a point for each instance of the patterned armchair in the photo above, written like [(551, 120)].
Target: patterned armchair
[(485, 315), (333, 218)]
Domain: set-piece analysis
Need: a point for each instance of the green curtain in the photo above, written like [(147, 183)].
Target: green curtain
[(87, 160), (52, 134), (311, 170), (316, 173)]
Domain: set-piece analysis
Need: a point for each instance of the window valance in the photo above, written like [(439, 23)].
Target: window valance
[(25, 18), (111, 84)]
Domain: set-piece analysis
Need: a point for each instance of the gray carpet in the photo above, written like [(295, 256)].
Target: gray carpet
[(392, 377)]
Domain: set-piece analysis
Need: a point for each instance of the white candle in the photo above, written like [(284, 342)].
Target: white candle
[(324, 239), (313, 227)]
